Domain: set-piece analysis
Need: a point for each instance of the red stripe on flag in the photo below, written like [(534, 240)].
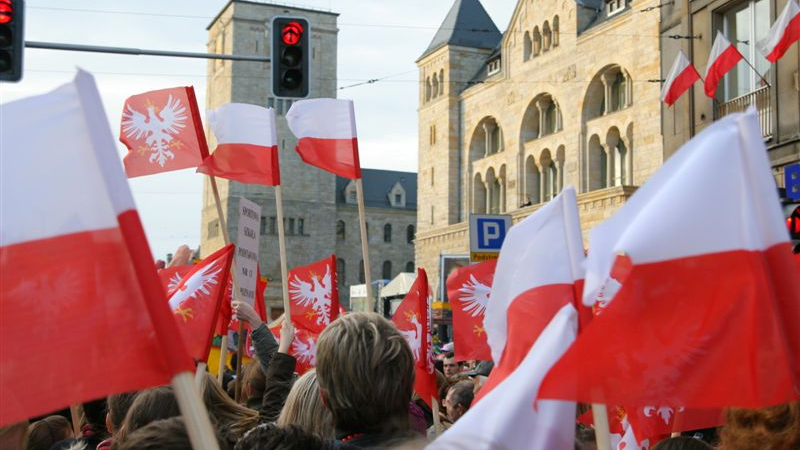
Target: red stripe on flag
[(339, 156), (681, 84), (245, 163), (726, 61), (790, 35)]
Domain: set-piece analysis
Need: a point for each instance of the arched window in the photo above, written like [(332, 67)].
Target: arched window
[(552, 180), (410, 234), (441, 81), (340, 272), (427, 89), (555, 31), (526, 46), (550, 119), (537, 41), (479, 203), (435, 92), (410, 266), (487, 139), (387, 233), (387, 270), (532, 193), (597, 164), (609, 91), (361, 278), (619, 89), (340, 230), (547, 36)]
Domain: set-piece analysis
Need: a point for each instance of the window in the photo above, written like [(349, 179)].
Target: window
[(619, 92), (614, 7), (493, 67), (441, 81), (427, 89), (431, 176), (387, 270), (291, 226), (410, 266), (272, 225), (340, 230), (526, 46), (213, 228), (435, 92), (387, 233), (410, 234), (398, 199), (547, 38), (301, 225), (361, 278), (432, 137), (263, 225), (555, 31), (431, 214), (351, 197), (340, 272), (537, 41), (743, 26)]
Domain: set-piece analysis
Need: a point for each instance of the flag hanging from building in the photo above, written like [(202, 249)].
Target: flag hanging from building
[(724, 57), (468, 289), (73, 251), (711, 289), (314, 295), (784, 32), (326, 134), (163, 132), (413, 319), (247, 145), (681, 77)]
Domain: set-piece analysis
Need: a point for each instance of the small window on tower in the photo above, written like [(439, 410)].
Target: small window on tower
[(301, 225)]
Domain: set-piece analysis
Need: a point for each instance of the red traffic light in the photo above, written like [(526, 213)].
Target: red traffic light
[(290, 34), (6, 11)]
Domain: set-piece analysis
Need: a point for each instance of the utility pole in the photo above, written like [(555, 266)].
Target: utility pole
[(140, 52)]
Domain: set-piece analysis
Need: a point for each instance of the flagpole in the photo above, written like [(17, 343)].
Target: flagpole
[(602, 433), (198, 374), (362, 216), (756, 71), (282, 249), (239, 357), (195, 417), (437, 421)]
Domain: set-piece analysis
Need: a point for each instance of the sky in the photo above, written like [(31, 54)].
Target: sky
[(377, 39)]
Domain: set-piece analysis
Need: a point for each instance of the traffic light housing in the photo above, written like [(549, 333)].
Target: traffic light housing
[(290, 57), (12, 39)]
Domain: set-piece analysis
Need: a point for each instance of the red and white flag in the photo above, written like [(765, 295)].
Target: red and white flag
[(314, 295), (73, 254), (413, 319), (225, 320), (654, 423), (247, 145), (197, 299), (326, 134), (724, 57), (468, 289), (303, 349), (538, 272), (784, 32), (171, 277), (710, 303), (511, 416), (681, 77), (163, 132)]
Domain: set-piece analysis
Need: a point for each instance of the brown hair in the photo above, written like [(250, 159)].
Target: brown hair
[(254, 378), (42, 434), (150, 405), (118, 406), (682, 443), (772, 428), (14, 436), (272, 437), (164, 434), (232, 419), (365, 371), (305, 409)]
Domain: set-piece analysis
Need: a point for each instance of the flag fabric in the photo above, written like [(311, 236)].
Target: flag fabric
[(681, 77), (784, 32), (73, 252), (538, 272), (413, 319), (654, 423), (468, 289), (314, 295), (163, 132), (247, 145), (511, 416), (225, 320), (197, 299), (631, 440), (711, 288), (303, 348), (724, 57), (171, 277), (326, 134)]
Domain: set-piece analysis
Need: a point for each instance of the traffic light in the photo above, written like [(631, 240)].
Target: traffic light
[(12, 39), (290, 57)]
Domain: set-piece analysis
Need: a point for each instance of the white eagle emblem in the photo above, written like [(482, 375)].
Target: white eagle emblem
[(174, 282), (200, 282), (157, 127), (475, 297), (607, 292), (305, 351), (665, 412), (413, 337), (316, 293)]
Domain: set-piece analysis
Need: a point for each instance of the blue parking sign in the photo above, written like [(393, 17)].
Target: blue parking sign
[(792, 181), (486, 235)]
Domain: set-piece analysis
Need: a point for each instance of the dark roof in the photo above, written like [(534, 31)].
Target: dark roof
[(466, 25), (377, 184)]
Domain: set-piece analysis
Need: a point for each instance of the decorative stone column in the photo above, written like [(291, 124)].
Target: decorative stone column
[(488, 128), (628, 178), (608, 81), (541, 105), (609, 164)]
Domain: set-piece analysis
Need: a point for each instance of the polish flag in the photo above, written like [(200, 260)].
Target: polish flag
[(303, 348), (468, 289), (538, 272), (70, 234), (225, 320), (710, 303), (681, 77), (314, 295), (656, 422), (163, 132), (724, 57), (197, 299), (247, 145), (326, 133), (413, 319), (784, 32), (511, 416)]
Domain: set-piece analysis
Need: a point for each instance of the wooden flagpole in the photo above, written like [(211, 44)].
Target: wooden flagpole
[(198, 374), (282, 247), (75, 413), (362, 216), (602, 433), (437, 421), (239, 355), (198, 425)]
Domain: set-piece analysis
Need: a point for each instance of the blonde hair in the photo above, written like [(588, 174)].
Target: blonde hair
[(305, 409), (365, 370), (231, 418)]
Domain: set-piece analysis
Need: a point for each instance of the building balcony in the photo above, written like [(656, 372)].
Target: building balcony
[(760, 98)]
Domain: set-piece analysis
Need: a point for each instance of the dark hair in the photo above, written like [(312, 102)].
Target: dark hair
[(253, 375), (272, 437), (164, 434), (118, 406), (463, 393), (449, 355), (150, 405), (584, 438), (42, 434), (95, 414), (682, 443)]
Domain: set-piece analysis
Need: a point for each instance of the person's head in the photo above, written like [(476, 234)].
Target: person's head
[(233, 419), (164, 434), (148, 406), (272, 437), (682, 443), (365, 371), (304, 408), (14, 436), (94, 412), (773, 428), (254, 381), (118, 406), (459, 399), (451, 367), (42, 434)]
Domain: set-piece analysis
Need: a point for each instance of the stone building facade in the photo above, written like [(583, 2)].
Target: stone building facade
[(563, 97), (311, 202)]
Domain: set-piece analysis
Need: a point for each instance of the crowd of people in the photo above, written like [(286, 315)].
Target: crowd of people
[(359, 397)]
